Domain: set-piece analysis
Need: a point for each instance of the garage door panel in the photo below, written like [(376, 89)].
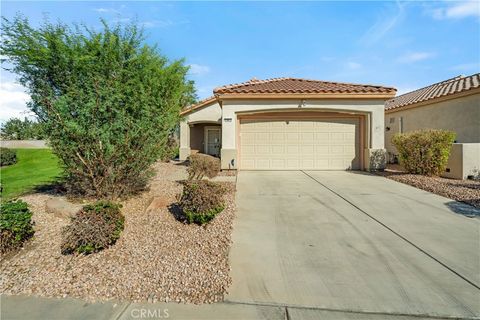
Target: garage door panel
[(292, 164), (292, 137), (307, 136), (292, 149), (327, 144), (278, 150), (277, 137), (322, 136), (248, 138), (248, 163), (337, 137), (278, 164), (306, 150), (248, 150), (262, 150)]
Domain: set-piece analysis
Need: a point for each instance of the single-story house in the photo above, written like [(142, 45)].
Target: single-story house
[(453, 104), (289, 124)]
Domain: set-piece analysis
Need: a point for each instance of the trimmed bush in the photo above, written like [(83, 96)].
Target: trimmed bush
[(7, 157), (15, 225), (424, 152), (202, 165), (201, 201), (96, 227)]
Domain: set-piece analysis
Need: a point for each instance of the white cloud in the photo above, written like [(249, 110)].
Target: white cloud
[(106, 10), (14, 101), (198, 70), (163, 23), (383, 25), (353, 65), (415, 56), (121, 20), (457, 10)]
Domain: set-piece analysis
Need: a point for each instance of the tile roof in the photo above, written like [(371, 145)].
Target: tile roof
[(300, 86), (437, 90), (198, 105)]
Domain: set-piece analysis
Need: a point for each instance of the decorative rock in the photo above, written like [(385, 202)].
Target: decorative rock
[(157, 203), (61, 208), (157, 258)]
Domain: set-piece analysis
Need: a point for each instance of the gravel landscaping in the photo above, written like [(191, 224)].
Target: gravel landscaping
[(467, 191), (157, 257)]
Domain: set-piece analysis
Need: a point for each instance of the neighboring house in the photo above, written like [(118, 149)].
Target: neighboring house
[(453, 104), (289, 124)]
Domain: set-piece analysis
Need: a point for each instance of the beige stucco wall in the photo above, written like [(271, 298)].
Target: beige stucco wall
[(211, 114), (461, 115), (464, 161), (227, 116), (373, 109)]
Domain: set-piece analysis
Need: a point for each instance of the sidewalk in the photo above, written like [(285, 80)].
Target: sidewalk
[(36, 308), (33, 308)]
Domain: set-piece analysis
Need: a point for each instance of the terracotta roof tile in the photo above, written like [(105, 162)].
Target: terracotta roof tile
[(436, 90), (300, 86)]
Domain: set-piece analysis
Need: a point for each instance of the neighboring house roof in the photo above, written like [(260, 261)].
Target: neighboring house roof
[(444, 88), (198, 105), (285, 86)]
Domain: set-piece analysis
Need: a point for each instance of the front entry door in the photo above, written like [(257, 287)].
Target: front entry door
[(213, 141)]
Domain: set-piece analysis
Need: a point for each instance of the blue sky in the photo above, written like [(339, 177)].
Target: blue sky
[(402, 44)]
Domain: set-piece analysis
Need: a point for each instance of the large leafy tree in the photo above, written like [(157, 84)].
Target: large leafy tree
[(107, 101), (17, 129)]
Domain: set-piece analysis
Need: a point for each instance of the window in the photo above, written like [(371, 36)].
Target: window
[(392, 120)]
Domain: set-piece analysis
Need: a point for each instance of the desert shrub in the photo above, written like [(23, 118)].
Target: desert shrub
[(16, 224), (424, 152), (95, 227), (7, 157), (107, 100), (202, 165), (201, 200)]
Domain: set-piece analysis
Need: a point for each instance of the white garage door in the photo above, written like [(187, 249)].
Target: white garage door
[(330, 144)]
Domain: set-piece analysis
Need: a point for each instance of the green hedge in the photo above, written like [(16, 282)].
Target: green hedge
[(7, 157), (15, 225), (424, 152)]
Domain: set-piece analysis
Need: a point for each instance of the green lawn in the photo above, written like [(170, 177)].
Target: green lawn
[(34, 167)]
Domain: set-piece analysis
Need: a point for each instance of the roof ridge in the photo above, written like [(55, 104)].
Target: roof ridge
[(348, 83), (251, 81), (255, 81)]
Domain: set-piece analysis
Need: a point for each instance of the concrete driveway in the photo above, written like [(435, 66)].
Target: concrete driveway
[(358, 245)]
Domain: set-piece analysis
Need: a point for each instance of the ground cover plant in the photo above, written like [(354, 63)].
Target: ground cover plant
[(15, 225), (96, 227), (201, 200)]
